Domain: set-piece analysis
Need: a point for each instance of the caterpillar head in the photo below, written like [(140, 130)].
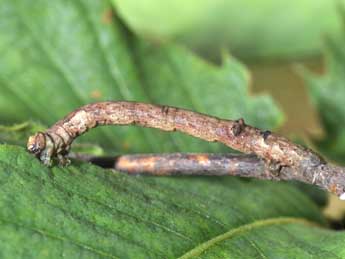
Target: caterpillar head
[(36, 143)]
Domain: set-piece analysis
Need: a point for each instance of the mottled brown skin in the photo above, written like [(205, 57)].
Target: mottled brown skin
[(281, 155)]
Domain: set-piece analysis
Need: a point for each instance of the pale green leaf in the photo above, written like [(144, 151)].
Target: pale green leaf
[(261, 29)]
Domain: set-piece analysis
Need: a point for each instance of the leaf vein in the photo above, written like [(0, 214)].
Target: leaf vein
[(242, 229)]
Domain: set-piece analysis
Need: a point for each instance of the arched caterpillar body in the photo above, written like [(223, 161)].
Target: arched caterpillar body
[(273, 149)]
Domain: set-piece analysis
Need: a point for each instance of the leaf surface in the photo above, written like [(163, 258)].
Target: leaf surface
[(85, 211), (262, 29), (58, 56)]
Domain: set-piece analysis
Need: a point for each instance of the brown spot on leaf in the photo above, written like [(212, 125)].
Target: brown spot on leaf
[(107, 16), (96, 94), (125, 145)]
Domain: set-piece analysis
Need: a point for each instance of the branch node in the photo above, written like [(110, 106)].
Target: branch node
[(265, 134), (238, 127)]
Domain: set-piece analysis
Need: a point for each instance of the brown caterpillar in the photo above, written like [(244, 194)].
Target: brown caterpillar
[(56, 141), (276, 151)]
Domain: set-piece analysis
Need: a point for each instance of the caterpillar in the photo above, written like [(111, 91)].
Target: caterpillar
[(281, 155), (56, 141)]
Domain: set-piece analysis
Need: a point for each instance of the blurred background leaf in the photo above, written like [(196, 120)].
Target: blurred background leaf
[(17, 134), (253, 30), (327, 92), (49, 70), (184, 80)]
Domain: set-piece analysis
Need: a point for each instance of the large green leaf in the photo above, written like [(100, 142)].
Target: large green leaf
[(328, 94), (274, 238), (85, 211), (251, 29), (58, 56)]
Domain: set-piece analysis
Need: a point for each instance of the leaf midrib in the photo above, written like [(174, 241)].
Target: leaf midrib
[(243, 229)]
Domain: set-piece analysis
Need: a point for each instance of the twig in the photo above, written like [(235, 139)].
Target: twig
[(183, 164), (282, 157)]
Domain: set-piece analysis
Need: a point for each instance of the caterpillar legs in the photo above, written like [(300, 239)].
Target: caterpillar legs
[(47, 146)]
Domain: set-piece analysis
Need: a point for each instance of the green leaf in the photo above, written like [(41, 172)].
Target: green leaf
[(58, 56), (184, 80), (18, 133), (265, 29), (328, 94), (273, 238), (85, 211)]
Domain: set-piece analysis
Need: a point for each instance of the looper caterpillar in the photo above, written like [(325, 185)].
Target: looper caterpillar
[(279, 154)]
